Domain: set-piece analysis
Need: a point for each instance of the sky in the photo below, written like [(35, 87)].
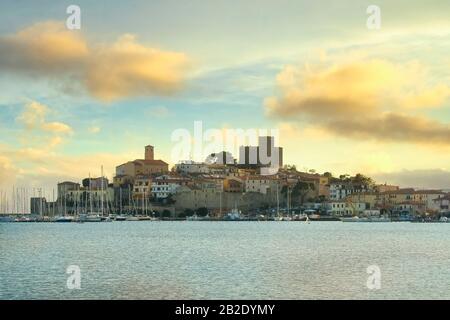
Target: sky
[(344, 98)]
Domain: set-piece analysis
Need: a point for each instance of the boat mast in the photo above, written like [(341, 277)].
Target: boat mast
[(90, 192), (101, 197), (120, 199), (278, 200)]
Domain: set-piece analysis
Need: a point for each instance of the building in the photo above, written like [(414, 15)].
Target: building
[(262, 184), (95, 183), (233, 185), (38, 206), (209, 183), (166, 185), (218, 203), (385, 187), (347, 208), (320, 182), (84, 200), (390, 198), (265, 154), (443, 203), (147, 166), (427, 198), (341, 189), (223, 157), (370, 198), (223, 170), (191, 167), (142, 187), (65, 187)]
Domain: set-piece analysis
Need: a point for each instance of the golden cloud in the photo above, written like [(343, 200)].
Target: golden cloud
[(43, 168), (106, 71), (362, 100), (33, 117), (393, 127), (7, 171), (43, 48)]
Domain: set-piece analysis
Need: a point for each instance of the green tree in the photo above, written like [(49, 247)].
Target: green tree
[(186, 213), (301, 190), (289, 167), (202, 212), (166, 213), (362, 179), (329, 175), (169, 200)]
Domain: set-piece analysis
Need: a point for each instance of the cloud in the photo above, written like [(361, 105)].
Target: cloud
[(94, 129), (107, 72), (159, 112), (362, 100), (42, 49), (56, 127), (7, 171), (37, 129), (423, 178), (40, 167), (393, 127)]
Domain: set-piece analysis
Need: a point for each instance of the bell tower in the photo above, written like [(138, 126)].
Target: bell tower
[(149, 153)]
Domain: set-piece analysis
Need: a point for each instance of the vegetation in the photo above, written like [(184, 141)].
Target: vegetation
[(186, 213), (299, 192), (166, 214), (202, 212)]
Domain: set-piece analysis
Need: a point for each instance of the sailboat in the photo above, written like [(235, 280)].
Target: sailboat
[(278, 217), (233, 215), (307, 219), (120, 217), (92, 216)]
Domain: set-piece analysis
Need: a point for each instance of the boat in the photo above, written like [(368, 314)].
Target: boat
[(194, 217), (354, 219), (120, 218), (90, 218), (64, 219), (379, 219), (132, 218), (444, 219), (233, 215), (6, 219), (371, 219), (105, 219)]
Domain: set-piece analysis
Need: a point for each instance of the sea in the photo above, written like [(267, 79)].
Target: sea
[(224, 260)]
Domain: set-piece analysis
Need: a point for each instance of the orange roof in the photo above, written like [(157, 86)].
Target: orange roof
[(154, 162)]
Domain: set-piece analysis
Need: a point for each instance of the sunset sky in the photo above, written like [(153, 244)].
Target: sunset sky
[(346, 99)]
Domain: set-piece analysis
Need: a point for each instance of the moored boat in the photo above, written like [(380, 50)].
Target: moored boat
[(354, 219), (64, 219), (6, 219)]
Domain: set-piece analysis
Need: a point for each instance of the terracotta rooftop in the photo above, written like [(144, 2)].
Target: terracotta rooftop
[(155, 162)]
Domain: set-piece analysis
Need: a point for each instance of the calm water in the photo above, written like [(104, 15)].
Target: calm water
[(224, 260)]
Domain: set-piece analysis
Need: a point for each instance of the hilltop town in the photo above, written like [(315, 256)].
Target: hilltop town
[(222, 184)]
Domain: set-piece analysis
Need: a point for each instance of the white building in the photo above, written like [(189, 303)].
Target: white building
[(443, 204), (165, 185), (191, 167), (344, 208), (428, 197), (340, 190)]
